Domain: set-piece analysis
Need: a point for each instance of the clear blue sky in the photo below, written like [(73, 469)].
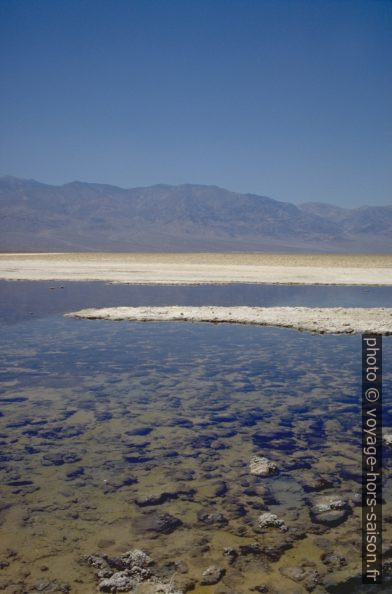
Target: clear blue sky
[(287, 98)]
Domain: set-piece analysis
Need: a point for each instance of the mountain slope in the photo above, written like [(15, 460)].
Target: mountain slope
[(95, 217)]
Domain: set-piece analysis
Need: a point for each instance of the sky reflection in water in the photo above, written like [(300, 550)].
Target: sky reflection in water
[(97, 415)]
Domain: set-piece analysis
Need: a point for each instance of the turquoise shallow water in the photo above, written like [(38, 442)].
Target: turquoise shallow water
[(97, 416)]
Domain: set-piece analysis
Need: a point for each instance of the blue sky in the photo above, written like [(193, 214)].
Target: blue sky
[(287, 98)]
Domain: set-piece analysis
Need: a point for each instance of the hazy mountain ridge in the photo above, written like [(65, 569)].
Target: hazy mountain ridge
[(373, 219), (80, 216)]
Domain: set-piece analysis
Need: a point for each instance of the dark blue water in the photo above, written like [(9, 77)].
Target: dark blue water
[(25, 299)]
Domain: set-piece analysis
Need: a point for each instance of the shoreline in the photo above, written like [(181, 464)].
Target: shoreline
[(334, 320), (201, 268)]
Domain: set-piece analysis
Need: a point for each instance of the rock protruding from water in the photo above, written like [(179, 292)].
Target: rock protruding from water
[(261, 466), (212, 575), (387, 439), (129, 572), (269, 520)]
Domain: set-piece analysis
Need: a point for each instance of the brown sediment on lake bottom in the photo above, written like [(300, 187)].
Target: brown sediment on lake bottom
[(322, 320)]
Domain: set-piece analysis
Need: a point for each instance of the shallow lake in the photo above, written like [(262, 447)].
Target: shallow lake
[(120, 435)]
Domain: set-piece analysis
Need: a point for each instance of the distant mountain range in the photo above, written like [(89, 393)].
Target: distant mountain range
[(95, 217)]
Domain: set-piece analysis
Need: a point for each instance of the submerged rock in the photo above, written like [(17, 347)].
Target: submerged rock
[(182, 474), (77, 472), (251, 549), (309, 577), (330, 510), (184, 584), (333, 561), (139, 431), (51, 587), (235, 510), (312, 481), (270, 552), (215, 489), (60, 458), (136, 459), (261, 466), (111, 486), (165, 496), (62, 432), (231, 554), (159, 522), (211, 517), (104, 543)]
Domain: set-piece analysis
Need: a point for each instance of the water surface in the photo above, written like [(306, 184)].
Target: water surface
[(96, 415)]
